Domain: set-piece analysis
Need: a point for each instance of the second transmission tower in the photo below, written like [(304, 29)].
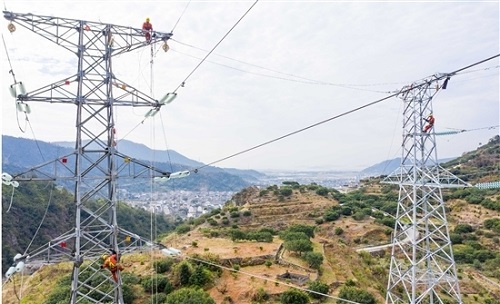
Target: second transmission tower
[(422, 267)]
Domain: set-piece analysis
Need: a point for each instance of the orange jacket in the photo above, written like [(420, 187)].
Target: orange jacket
[(110, 262), (147, 26)]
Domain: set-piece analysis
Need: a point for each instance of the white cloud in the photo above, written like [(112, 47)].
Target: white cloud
[(221, 111)]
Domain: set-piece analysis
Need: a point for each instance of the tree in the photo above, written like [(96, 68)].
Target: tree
[(163, 265), (188, 296), (128, 294), (182, 273), (293, 236), (294, 296), (200, 276), (356, 295), (237, 234), (331, 216), (318, 287), (308, 230), (299, 246), (181, 229), (157, 283), (286, 191), (463, 228), (314, 259), (322, 191), (260, 236)]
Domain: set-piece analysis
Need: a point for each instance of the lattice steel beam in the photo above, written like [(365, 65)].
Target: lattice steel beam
[(422, 268), (95, 164)]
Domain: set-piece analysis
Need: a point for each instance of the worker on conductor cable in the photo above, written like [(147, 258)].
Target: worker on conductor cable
[(430, 123), (147, 28), (111, 263)]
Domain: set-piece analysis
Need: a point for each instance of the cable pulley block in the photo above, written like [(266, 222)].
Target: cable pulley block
[(11, 27), (165, 47)]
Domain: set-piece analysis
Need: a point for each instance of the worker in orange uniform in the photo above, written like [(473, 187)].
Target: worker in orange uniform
[(111, 263), (147, 28), (430, 123)]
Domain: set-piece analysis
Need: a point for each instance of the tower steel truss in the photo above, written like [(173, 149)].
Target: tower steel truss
[(422, 267), (95, 165)]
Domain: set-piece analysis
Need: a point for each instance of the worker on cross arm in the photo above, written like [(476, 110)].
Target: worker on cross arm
[(147, 28), (111, 263), (430, 123)]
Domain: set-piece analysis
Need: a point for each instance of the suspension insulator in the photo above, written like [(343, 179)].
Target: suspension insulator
[(11, 27), (20, 266), (10, 272)]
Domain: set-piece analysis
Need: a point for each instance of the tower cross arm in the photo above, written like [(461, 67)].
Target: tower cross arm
[(63, 31)]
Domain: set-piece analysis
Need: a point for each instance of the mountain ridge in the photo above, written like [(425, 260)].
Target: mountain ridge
[(20, 154)]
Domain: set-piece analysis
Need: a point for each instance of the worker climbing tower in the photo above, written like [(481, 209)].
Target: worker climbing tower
[(422, 267), (95, 165)]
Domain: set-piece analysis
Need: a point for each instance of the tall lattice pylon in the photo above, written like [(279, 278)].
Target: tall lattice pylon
[(95, 164), (422, 267)]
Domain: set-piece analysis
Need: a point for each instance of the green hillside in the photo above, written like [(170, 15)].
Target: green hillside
[(266, 241), (22, 214)]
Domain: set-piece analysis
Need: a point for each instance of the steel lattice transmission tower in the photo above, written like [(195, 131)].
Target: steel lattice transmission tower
[(95, 165), (422, 267)]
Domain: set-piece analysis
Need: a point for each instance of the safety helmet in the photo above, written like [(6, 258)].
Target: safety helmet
[(105, 256), (147, 19)]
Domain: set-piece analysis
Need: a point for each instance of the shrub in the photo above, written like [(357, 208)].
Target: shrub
[(356, 295), (294, 296), (318, 287), (189, 295), (156, 283), (322, 191), (286, 191), (183, 228), (200, 276), (331, 216), (128, 294), (212, 222), (263, 192), (162, 265), (308, 230), (260, 296), (314, 259), (463, 228)]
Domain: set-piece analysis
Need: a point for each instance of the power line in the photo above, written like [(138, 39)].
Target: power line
[(289, 74), (270, 280), (402, 91), (11, 71), (301, 130), (220, 41), (458, 131), (182, 14), (299, 80), (306, 79)]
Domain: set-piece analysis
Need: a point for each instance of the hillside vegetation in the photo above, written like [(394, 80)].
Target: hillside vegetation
[(23, 212), (294, 243)]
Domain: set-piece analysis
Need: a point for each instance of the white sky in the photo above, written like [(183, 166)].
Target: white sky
[(378, 46)]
